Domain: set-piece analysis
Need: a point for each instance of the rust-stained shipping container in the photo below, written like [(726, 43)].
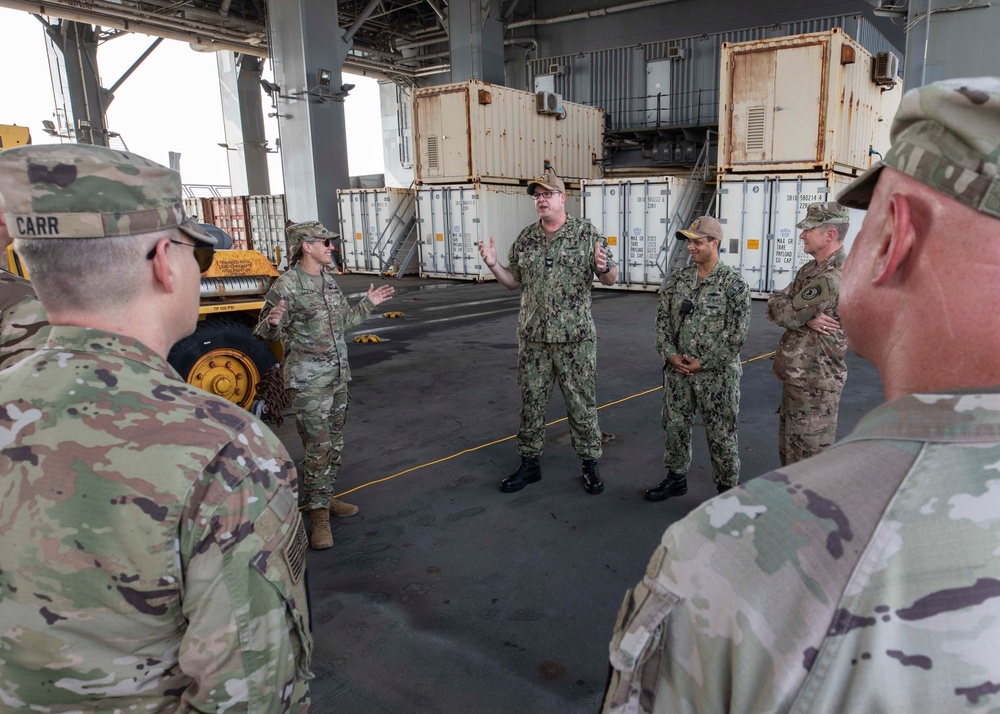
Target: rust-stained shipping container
[(479, 132), (812, 102), (198, 208), (230, 214)]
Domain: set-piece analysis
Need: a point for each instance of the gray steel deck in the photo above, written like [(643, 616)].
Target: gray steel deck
[(446, 595)]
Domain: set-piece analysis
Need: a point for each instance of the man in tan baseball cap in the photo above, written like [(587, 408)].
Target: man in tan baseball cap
[(701, 325)]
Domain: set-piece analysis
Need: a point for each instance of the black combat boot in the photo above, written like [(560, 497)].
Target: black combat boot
[(528, 472), (722, 488), (592, 483), (674, 484)]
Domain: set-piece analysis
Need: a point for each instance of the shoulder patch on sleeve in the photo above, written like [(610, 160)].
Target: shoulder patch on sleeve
[(815, 292), (735, 289)]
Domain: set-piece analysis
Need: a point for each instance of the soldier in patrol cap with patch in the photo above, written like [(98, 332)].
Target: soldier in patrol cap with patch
[(866, 578), (811, 357), (306, 310), (701, 325), (153, 555)]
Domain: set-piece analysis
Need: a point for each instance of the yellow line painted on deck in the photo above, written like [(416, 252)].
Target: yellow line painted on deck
[(508, 438)]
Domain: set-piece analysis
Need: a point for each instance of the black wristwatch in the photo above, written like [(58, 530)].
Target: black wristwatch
[(607, 269)]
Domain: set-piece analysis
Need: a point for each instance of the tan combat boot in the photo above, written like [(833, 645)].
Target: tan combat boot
[(342, 509), (321, 536)]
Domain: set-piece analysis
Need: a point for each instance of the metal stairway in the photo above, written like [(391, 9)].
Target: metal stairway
[(396, 247), (697, 199)]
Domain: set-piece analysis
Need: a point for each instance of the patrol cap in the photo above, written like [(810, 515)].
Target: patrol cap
[(84, 191), (701, 227), (818, 214), (947, 136), (298, 233), (549, 181)]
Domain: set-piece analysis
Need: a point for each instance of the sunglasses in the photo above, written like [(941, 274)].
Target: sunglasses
[(325, 241), (204, 255)]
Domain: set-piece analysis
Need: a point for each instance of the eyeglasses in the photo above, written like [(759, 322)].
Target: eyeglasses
[(544, 194), (326, 241), (203, 255)]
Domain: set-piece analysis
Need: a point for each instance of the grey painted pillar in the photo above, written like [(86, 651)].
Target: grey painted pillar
[(243, 121), (77, 41), (475, 36), (305, 38)]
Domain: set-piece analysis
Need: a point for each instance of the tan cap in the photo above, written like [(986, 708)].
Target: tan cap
[(702, 227), (84, 191), (549, 181)]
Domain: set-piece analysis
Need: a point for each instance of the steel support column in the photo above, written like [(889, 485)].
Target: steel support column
[(306, 38), (475, 38), (243, 121)]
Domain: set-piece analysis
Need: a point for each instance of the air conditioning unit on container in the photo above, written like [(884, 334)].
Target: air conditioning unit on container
[(676, 53), (885, 69), (549, 103)]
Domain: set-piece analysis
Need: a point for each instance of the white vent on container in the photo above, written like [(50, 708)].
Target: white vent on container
[(549, 103), (755, 129), (885, 69), (432, 152)]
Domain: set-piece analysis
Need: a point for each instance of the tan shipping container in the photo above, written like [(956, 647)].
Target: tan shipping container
[(802, 103), (479, 132)]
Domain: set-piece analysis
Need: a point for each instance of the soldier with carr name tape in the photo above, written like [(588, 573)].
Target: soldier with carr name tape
[(153, 556), (866, 578), (811, 357), (701, 325), (307, 311)]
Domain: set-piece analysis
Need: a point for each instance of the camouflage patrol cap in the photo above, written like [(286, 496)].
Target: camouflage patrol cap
[(818, 214), (84, 191), (945, 135), (549, 181), (701, 227), (298, 233)]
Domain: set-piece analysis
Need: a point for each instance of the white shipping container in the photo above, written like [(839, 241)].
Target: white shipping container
[(639, 217), (371, 222), (758, 216), (267, 228), (802, 103), (453, 219), (476, 131)]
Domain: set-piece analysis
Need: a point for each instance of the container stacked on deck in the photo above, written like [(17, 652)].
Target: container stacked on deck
[(800, 117), (477, 147)]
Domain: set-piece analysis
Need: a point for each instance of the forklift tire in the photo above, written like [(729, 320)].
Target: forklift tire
[(224, 358)]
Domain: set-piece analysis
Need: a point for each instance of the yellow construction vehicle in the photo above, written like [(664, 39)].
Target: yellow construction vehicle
[(12, 135), (222, 356)]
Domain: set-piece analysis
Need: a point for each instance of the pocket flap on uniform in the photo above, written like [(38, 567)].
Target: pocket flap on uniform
[(640, 624)]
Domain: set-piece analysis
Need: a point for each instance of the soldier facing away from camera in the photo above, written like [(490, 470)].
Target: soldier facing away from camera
[(866, 578), (153, 556)]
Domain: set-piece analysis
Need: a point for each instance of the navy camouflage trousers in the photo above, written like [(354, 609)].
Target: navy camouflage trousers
[(716, 394), (574, 365)]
